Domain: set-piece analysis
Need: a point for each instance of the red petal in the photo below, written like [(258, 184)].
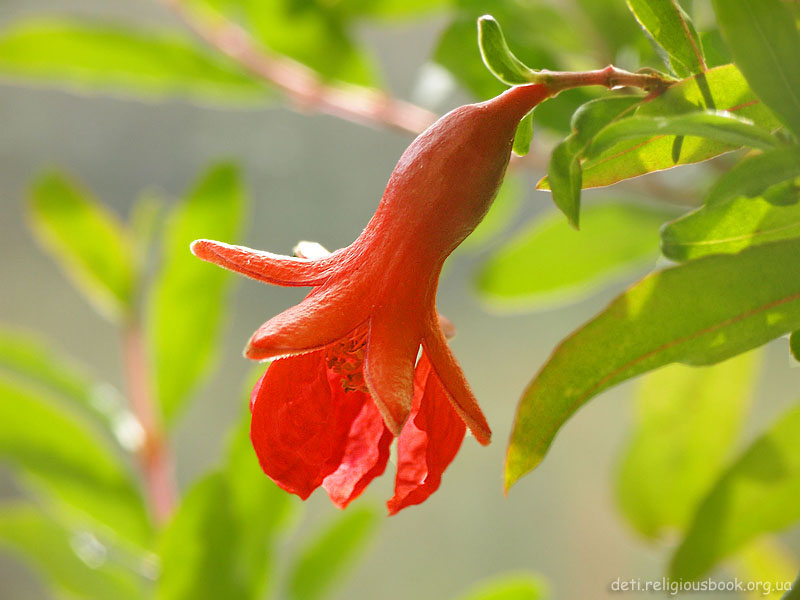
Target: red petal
[(365, 455), (327, 314), (429, 441), (392, 348), (298, 431), (264, 266), (453, 380)]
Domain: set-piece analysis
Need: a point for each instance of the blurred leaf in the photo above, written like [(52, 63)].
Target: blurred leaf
[(794, 593), (73, 562), (672, 29), (323, 561), (757, 494), (728, 90), (26, 356), (763, 38), (664, 318), (89, 243), (729, 227), (496, 55), (794, 344), (614, 30), (765, 560), (687, 422), (500, 215), (524, 135), (717, 53), (756, 173), (64, 458), (92, 57), (509, 587), (392, 9), (220, 542), (550, 262), (186, 305), (317, 34), (721, 127), (564, 170)]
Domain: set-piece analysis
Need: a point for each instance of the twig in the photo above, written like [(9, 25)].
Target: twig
[(302, 85), (155, 458)]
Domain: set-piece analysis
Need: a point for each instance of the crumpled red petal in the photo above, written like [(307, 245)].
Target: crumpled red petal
[(299, 433), (428, 443), (365, 455)]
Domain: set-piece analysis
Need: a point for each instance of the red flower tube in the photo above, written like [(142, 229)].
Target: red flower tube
[(345, 377)]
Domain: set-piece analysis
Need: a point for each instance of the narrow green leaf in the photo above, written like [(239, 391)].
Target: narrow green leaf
[(757, 494), (687, 421), (496, 55), (64, 458), (26, 356), (722, 127), (509, 587), (220, 544), (329, 554), (73, 562), (662, 319), (756, 173), (729, 227), (564, 177), (186, 305), (92, 57), (763, 38), (550, 262), (88, 242), (794, 345), (524, 135), (721, 89), (672, 29)]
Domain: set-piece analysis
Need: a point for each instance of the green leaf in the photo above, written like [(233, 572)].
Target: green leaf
[(672, 29), (330, 553), (496, 55), (794, 593), (664, 318), (93, 57), (756, 173), (74, 562), (186, 305), (550, 262), (721, 89), (722, 127), (729, 227), (765, 560), (687, 421), (524, 135), (509, 587), (88, 242), (64, 458), (564, 170), (221, 542), (757, 494), (26, 356), (794, 345), (763, 38)]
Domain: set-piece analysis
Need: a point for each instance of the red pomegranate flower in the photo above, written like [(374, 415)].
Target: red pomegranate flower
[(348, 379)]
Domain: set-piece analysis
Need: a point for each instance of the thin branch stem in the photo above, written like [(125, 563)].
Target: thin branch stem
[(302, 85), (155, 458), (610, 77)]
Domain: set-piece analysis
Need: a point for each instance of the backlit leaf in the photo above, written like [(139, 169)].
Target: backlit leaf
[(64, 458), (664, 318), (88, 242), (186, 305), (509, 587), (756, 173), (93, 57), (763, 38), (757, 494), (687, 421)]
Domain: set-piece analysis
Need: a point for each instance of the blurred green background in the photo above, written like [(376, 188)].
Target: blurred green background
[(318, 178)]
